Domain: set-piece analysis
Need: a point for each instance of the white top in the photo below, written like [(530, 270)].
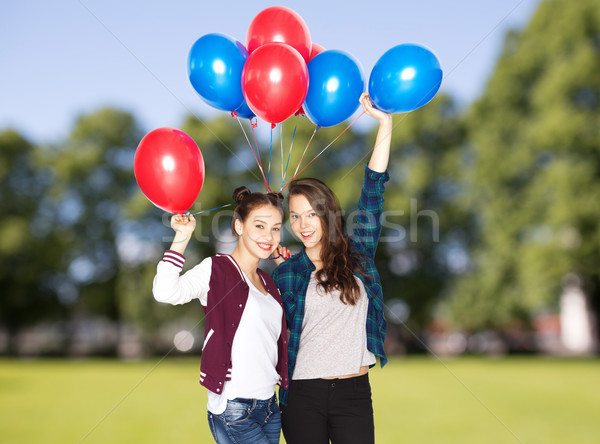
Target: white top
[(333, 339), (254, 348)]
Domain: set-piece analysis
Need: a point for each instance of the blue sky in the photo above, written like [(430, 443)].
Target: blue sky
[(66, 57)]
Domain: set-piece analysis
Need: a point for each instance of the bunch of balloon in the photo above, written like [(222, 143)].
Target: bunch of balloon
[(169, 169), (405, 78)]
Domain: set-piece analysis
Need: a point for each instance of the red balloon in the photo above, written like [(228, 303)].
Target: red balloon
[(169, 169), (279, 24), (315, 49), (275, 82)]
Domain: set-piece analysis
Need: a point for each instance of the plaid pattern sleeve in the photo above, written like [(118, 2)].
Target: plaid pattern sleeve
[(364, 240), (370, 207), (284, 278)]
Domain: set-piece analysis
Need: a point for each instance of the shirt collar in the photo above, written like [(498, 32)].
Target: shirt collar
[(305, 262)]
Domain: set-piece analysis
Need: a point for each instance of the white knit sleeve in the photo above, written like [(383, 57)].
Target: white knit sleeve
[(172, 288)]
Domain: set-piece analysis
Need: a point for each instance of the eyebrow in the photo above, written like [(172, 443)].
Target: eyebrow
[(302, 212), (264, 222)]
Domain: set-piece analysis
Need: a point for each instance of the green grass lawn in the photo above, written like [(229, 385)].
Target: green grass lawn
[(416, 400)]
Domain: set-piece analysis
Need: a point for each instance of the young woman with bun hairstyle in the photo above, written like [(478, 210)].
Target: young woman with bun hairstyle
[(333, 301), (245, 335)]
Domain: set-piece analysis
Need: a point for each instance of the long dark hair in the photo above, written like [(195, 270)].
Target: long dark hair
[(339, 261), (247, 201)]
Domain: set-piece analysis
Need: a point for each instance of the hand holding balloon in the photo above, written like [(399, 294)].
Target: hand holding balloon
[(370, 110), (183, 225)]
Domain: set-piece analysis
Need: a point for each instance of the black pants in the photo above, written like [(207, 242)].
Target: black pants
[(319, 410)]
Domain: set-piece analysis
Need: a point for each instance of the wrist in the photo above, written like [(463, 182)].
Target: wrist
[(386, 120), (181, 236)]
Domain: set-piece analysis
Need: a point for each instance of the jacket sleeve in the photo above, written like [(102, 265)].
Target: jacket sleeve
[(370, 207), (172, 288), (282, 280)]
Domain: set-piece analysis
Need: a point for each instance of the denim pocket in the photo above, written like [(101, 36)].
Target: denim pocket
[(236, 412)]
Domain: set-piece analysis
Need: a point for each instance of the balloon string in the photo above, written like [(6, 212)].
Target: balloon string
[(254, 125), (323, 150), (305, 149), (281, 139), (216, 208), (289, 155), (270, 154), (252, 149)]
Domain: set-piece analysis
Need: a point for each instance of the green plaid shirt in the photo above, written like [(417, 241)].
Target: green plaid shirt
[(292, 276)]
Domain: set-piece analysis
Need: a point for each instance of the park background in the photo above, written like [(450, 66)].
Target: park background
[(490, 256)]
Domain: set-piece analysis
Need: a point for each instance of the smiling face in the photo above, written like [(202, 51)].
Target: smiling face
[(260, 233), (306, 223)]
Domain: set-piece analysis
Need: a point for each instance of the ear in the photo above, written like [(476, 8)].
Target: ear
[(239, 227)]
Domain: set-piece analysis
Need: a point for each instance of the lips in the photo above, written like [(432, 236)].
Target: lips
[(265, 247), (307, 235)]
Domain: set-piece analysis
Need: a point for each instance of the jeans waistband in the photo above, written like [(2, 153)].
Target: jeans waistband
[(256, 402)]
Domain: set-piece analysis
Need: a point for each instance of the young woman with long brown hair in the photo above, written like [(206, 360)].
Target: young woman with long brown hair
[(334, 306)]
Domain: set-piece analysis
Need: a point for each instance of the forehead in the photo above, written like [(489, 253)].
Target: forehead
[(266, 213), (299, 204)]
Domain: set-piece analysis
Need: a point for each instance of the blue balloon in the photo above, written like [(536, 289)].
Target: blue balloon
[(215, 67), (336, 82), (405, 78), (244, 111)]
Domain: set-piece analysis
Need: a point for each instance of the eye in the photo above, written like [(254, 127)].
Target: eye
[(312, 214), (276, 229), (294, 217), (260, 226)]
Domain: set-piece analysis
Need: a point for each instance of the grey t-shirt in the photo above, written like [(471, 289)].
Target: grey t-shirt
[(333, 341)]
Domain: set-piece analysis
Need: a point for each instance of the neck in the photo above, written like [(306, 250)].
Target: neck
[(247, 262), (314, 253)]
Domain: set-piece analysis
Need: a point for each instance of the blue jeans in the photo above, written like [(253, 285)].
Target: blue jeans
[(250, 421)]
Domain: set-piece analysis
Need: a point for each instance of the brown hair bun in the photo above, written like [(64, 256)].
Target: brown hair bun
[(240, 194)]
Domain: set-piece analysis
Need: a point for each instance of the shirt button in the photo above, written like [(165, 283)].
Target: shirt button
[(240, 305), (220, 383), (218, 390)]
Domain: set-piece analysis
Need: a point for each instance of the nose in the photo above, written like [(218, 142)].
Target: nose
[(303, 222)]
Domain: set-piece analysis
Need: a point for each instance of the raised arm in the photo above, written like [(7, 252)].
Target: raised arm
[(168, 285), (381, 152), (183, 226)]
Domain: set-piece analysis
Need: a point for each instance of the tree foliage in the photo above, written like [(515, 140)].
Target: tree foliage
[(535, 176)]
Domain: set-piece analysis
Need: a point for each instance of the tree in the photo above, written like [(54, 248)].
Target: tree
[(534, 180), (27, 247)]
